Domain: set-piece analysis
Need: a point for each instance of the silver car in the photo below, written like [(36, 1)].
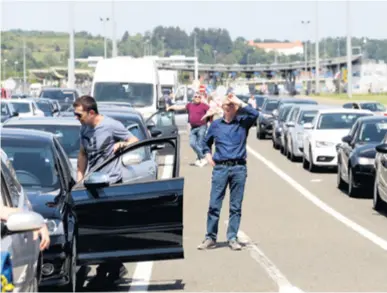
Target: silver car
[(301, 114), (17, 232)]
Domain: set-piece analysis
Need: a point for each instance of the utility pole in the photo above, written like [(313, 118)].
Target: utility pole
[(24, 67), (195, 44), (306, 23), (349, 51), (71, 61), (317, 57), (114, 39), (104, 20)]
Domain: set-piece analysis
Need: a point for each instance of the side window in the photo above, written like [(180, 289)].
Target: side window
[(163, 119), (294, 114), (347, 106), (179, 96), (14, 187), (66, 168), (5, 198), (354, 129), (355, 106)]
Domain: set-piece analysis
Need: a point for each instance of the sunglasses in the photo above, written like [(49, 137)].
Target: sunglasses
[(79, 115)]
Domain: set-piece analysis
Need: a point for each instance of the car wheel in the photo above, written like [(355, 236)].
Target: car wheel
[(378, 204), (260, 135), (312, 167), (291, 156), (352, 190), (340, 181), (72, 285)]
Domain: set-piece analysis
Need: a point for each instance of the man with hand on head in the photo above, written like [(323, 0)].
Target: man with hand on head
[(229, 166)]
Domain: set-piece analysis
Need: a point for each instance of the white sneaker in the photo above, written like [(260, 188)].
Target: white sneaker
[(198, 163)]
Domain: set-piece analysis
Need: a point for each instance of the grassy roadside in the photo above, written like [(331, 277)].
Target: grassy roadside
[(342, 98)]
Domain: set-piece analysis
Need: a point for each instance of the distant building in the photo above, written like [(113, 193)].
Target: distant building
[(281, 48)]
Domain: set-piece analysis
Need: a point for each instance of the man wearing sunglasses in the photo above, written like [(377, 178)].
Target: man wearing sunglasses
[(196, 110), (101, 136)]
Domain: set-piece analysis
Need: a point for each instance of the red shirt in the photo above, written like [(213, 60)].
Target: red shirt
[(195, 114)]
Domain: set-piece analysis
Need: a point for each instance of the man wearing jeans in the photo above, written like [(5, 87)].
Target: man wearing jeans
[(229, 166), (196, 110)]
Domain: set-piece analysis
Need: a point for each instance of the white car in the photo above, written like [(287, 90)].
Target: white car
[(26, 107), (321, 136)]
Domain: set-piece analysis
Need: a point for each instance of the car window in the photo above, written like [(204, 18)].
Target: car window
[(347, 106), (271, 105), (373, 107), (373, 132), (306, 117), (22, 107), (4, 109), (260, 101), (338, 120), (44, 106), (163, 119), (5, 199), (54, 95), (34, 163)]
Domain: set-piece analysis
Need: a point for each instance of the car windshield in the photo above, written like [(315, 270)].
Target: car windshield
[(271, 105), (259, 101), (44, 106), (67, 135), (69, 95), (55, 95), (373, 107), (21, 107), (373, 132), (137, 94), (284, 113), (338, 120), (4, 109), (306, 117), (33, 162)]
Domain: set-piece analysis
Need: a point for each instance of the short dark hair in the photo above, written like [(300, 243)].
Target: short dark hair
[(87, 102)]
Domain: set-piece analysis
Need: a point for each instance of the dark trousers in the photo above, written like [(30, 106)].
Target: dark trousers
[(235, 178)]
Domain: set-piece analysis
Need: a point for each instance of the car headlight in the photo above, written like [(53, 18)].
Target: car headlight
[(324, 144), (55, 227), (366, 161)]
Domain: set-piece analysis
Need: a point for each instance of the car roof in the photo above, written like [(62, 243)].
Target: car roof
[(42, 121), (343, 110), (26, 134), (28, 101), (373, 118), (113, 114), (314, 107), (368, 102)]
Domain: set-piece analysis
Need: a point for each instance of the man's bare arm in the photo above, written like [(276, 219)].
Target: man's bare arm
[(176, 107), (82, 164)]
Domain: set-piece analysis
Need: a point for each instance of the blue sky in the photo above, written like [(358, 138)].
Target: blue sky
[(261, 19)]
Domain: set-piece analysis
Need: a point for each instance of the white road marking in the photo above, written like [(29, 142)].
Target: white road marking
[(319, 203), (143, 271), (316, 180), (284, 286)]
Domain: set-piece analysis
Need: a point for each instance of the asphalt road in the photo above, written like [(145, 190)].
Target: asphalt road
[(300, 232)]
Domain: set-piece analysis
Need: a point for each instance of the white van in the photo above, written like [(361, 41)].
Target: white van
[(126, 79)]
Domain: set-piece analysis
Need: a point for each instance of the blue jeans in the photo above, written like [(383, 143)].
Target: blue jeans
[(196, 138), (222, 176)]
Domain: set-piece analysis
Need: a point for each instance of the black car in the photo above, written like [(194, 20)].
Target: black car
[(44, 171), (7, 111), (48, 107), (266, 118), (380, 185), (356, 155), (65, 97), (103, 221)]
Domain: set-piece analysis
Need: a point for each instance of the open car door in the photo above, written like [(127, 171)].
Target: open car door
[(163, 121), (131, 221)]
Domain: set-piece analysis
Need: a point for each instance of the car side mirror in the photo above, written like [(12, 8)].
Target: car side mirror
[(347, 139), (275, 112), (381, 148), (15, 114), (22, 222), (308, 126), (155, 132), (96, 180), (290, 124)]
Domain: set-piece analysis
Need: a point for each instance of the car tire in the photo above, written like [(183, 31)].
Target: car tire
[(260, 135), (305, 163), (340, 181), (378, 204), (312, 167), (352, 189)]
